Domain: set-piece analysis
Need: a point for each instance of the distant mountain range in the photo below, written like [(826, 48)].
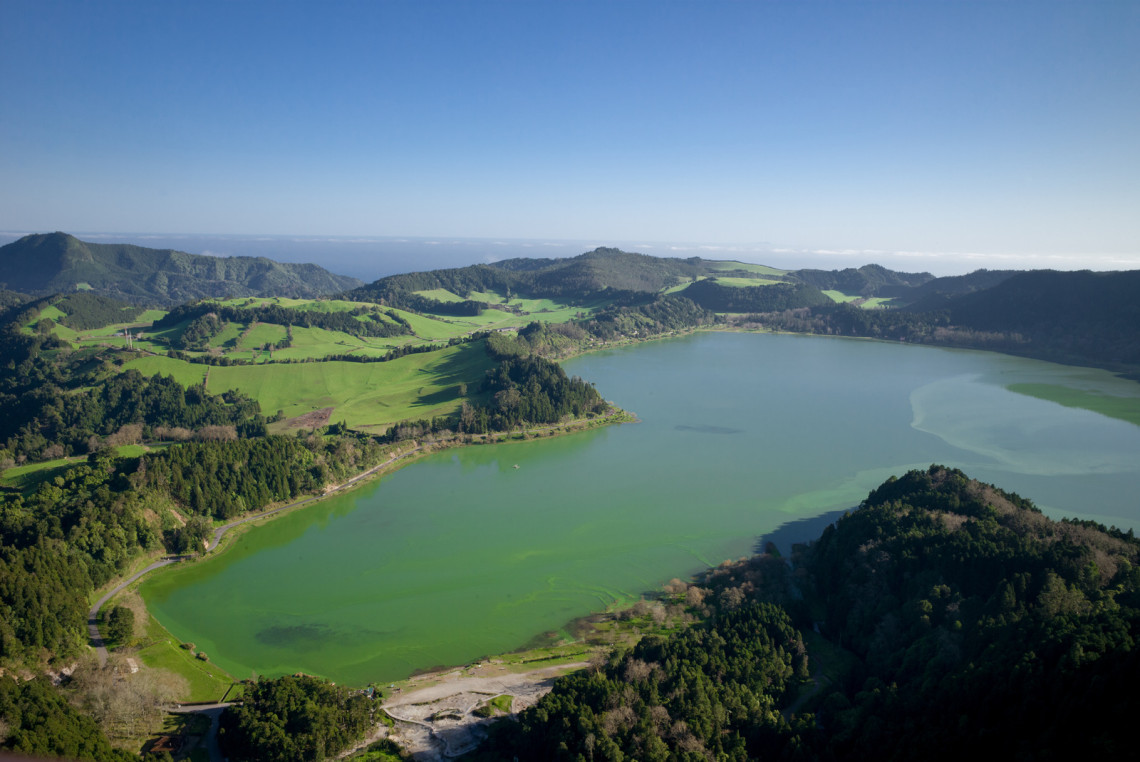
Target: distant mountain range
[(1078, 317), (57, 262), (608, 272)]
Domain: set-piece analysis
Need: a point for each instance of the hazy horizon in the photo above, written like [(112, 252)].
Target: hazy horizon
[(936, 136), (372, 257)]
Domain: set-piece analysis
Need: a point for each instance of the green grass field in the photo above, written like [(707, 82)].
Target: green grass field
[(29, 477), (260, 335), (205, 680), (742, 282), (1123, 408), (228, 336), (369, 396), (723, 265), (312, 305), (867, 303), (443, 295), (183, 372)]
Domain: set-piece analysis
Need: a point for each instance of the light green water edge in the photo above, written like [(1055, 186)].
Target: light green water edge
[(743, 437)]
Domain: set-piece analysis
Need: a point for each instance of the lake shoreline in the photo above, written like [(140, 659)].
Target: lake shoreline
[(533, 434)]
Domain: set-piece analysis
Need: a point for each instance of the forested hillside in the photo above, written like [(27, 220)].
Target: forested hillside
[(956, 622), (57, 262), (1082, 318)]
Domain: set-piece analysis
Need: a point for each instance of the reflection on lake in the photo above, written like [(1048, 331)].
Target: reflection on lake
[(462, 555)]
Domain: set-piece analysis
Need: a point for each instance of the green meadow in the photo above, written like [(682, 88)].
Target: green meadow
[(364, 395), (742, 282), (723, 265), (185, 373), (867, 303), (205, 681), (443, 295), (259, 335)]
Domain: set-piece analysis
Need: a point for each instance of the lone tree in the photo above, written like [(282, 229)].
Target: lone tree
[(121, 624)]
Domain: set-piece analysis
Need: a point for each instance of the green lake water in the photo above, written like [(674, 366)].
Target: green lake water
[(743, 438)]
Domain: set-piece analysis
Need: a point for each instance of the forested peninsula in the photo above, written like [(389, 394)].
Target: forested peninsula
[(941, 617)]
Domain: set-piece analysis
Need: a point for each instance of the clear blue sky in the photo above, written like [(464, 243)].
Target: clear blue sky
[(989, 127)]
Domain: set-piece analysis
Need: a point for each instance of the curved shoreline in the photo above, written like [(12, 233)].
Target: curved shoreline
[(612, 416)]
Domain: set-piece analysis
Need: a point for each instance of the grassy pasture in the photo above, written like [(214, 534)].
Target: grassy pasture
[(728, 264), (321, 342), (228, 335), (260, 335), (435, 328), (205, 680), (365, 395), (149, 316), (1122, 408), (742, 282), (443, 295), (312, 305), (682, 286), (183, 372), (839, 297), (867, 303), (51, 312)]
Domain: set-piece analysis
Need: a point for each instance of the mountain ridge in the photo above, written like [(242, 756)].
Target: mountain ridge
[(44, 263)]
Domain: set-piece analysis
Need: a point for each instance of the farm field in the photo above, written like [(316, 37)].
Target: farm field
[(185, 373), (367, 396)]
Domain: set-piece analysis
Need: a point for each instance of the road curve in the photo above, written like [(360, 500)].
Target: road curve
[(93, 614)]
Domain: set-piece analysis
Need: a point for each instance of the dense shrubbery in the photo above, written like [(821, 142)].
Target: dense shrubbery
[(294, 719)]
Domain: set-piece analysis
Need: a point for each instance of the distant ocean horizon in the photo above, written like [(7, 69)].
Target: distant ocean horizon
[(373, 257)]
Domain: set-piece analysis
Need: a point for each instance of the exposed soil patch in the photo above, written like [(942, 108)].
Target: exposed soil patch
[(313, 420), (440, 721)]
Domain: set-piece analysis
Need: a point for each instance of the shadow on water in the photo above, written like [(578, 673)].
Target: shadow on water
[(799, 531)]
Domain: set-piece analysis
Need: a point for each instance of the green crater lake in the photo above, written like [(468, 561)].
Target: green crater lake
[(743, 438)]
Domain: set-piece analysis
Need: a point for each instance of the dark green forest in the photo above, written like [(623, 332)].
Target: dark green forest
[(294, 719), (956, 621)]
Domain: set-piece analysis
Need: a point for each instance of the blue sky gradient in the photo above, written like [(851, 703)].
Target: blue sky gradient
[(1009, 131)]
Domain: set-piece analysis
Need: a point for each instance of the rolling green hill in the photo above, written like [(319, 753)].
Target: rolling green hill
[(57, 262)]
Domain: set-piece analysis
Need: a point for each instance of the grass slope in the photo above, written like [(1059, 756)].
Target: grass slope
[(369, 396)]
